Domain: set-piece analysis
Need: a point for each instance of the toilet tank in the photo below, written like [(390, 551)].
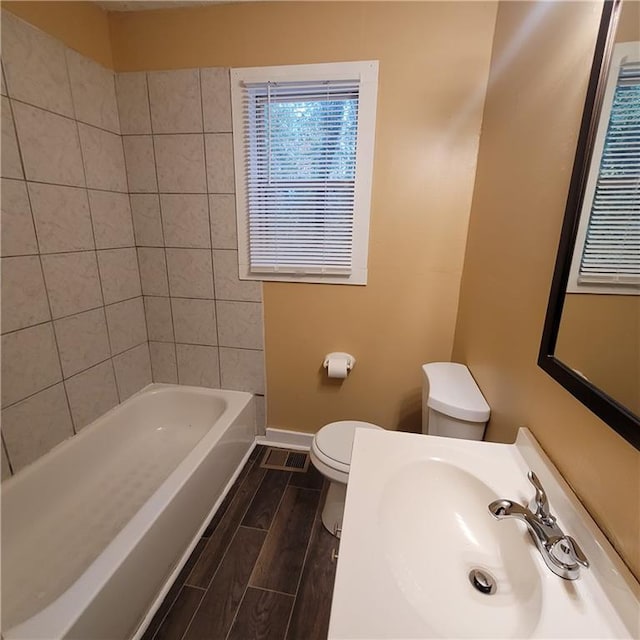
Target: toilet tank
[(452, 404)]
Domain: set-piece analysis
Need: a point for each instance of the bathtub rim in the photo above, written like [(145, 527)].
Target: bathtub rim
[(78, 596)]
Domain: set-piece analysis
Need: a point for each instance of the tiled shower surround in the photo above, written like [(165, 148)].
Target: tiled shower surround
[(119, 253)]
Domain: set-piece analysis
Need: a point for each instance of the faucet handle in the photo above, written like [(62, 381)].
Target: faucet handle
[(576, 552), (540, 501), (567, 550)]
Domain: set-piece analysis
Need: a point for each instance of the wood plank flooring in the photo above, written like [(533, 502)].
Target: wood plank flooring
[(263, 568)]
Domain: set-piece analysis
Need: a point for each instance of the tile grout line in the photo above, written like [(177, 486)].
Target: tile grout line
[(244, 593), (133, 229), (73, 186), (44, 282), (275, 515), (213, 266), (62, 380), (254, 568), (75, 313), (280, 593), (164, 247), (6, 451), (304, 562), (84, 173)]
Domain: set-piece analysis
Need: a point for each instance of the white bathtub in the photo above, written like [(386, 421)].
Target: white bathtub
[(95, 531)]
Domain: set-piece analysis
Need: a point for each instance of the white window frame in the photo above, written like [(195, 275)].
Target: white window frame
[(623, 53), (367, 72)]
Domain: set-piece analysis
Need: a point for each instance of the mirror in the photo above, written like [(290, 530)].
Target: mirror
[(591, 339)]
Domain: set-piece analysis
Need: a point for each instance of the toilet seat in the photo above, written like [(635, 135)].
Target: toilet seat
[(332, 445)]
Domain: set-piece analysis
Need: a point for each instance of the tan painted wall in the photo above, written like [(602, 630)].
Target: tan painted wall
[(83, 26), (531, 120), (600, 337), (434, 61)]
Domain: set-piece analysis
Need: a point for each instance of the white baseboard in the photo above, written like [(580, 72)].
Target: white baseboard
[(286, 439)]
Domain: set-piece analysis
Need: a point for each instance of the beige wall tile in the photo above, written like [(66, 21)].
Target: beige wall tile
[(228, 284), (240, 324), (198, 365), (242, 370), (141, 167), (145, 209), (180, 162), (35, 66), (190, 273), (163, 362), (159, 321), (91, 393), (126, 324), (112, 223), (223, 221), (18, 234), (133, 102), (195, 321), (94, 92), (36, 425), (119, 274), (216, 99), (103, 159), (82, 340), (133, 370), (11, 163), (24, 298), (29, 362), (61, 214), (185, 220), (49, 146), (153, 271), (72, 282), (220, 175), (175, 101)]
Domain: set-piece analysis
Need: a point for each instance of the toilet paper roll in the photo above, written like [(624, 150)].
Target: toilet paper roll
[(337, 368)]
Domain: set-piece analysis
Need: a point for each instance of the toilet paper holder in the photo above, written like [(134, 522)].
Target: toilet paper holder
[(340, 355)]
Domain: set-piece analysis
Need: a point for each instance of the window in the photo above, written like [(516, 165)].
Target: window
[(606, 257), (303, 148)]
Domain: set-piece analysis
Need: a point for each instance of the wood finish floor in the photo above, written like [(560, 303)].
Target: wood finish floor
[(262, 570)]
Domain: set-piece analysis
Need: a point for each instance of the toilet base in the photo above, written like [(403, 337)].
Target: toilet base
[(333, 510)]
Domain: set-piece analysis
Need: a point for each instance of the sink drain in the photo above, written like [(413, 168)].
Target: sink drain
[(482, 581)]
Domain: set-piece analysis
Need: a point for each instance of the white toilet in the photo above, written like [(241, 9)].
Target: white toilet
[(452, 405), (331, 455)]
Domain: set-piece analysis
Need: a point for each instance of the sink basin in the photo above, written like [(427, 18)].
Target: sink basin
[(434, 539), (417, 526)]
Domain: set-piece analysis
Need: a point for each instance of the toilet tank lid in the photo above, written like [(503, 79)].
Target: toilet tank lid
[(454, 392)]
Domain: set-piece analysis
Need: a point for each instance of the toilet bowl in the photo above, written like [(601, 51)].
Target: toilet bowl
[(331, 455)]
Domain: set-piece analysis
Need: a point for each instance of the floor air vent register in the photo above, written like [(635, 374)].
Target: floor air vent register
[(285, 460)]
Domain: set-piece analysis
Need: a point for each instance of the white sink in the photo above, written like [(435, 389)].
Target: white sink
[(417, 524)]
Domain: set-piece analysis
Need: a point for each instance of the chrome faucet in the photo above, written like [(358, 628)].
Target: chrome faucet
[(560, 552)]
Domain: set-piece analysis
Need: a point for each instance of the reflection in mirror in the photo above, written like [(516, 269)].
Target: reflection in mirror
[(599, 335), (591, 339)]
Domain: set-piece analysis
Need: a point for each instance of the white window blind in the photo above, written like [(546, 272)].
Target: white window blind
[(302, 190), (609, 244), (301, 162)]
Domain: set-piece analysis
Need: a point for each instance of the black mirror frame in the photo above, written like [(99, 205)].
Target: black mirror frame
[(617, 416)]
